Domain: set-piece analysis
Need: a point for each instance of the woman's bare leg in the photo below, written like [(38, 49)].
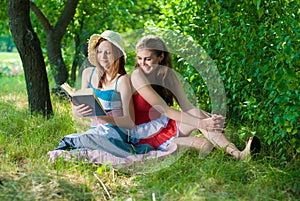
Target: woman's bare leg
[(219, 139), (215, 137), (201, 144)]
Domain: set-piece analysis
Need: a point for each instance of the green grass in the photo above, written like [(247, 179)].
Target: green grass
[(10, 63), (27, 174), (10, 55)]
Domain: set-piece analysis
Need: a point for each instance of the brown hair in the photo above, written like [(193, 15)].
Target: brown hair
[(164, 74), (118, 65)]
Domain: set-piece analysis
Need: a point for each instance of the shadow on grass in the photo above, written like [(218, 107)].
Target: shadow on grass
[(40, 186)]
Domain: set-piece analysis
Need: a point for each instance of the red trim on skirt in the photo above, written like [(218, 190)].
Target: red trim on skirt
[(164, 135)]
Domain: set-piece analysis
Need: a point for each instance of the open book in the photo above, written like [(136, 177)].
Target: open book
[(84, 96)]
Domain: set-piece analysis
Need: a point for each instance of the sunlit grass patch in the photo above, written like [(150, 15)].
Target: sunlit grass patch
[(10, 63)]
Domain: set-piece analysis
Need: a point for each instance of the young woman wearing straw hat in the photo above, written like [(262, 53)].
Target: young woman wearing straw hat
[(109, 81)]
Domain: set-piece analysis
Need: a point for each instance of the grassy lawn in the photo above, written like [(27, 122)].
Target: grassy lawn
[(9, 56), (27, 174)]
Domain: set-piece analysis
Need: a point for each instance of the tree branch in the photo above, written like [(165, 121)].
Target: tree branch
[(40, 15), (65, 17)]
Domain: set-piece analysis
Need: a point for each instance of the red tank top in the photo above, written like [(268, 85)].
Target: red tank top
[(143, 110)]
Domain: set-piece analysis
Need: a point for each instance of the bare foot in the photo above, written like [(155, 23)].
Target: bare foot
[(252, 147)]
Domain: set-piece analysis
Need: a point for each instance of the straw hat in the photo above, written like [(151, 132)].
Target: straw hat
[(113, 37)]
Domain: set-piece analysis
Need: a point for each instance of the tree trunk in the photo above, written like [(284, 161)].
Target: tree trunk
[(76, 58), (80, 51), (58, 66), (31, 55), (54, 35)]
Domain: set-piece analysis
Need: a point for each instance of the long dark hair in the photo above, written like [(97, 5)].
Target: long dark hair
[(164, 72), (118, 65)]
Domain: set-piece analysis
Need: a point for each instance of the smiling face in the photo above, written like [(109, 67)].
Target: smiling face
[(147, 60), (104, 54)]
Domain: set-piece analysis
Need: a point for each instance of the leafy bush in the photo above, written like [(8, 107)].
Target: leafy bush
[(254, 45)]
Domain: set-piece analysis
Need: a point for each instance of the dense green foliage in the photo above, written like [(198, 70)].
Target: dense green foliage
[(255, 45)]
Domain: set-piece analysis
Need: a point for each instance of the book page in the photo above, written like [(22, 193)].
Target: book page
[(67, 88), (84, 92)]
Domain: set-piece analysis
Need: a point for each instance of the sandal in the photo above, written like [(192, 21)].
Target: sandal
[(255, 146)]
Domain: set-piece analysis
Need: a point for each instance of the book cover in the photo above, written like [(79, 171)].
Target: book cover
[(84, 96)]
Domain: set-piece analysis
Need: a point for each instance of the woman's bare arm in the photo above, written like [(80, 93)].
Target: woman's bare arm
[(128, 118), (143, 87), (175, 86)]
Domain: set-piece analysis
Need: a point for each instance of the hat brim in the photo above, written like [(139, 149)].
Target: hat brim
[(92, 45)]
